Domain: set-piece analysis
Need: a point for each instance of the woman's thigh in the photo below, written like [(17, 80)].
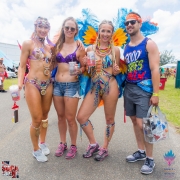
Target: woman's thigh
[(47, 100), (71, 104), (33, 99), (87, 107), (59, 105), (110, 100)]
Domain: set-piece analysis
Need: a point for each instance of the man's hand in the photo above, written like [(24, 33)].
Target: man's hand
[(154, 100)]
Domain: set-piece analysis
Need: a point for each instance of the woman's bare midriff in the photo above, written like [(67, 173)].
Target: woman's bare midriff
[(63, 74)]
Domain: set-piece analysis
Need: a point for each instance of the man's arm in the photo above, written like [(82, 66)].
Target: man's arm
[(154, 59)]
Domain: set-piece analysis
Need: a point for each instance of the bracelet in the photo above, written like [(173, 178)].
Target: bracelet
[(155, 94)]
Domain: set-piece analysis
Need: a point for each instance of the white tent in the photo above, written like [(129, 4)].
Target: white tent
[(6, 61), (169, 66)]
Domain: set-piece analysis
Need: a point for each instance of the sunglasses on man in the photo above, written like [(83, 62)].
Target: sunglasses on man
[(67, 28), (132, 22)]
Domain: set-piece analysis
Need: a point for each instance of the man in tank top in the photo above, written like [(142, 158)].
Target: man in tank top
[(142, 58)]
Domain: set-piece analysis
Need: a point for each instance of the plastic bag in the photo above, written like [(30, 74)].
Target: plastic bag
[(155, 126)]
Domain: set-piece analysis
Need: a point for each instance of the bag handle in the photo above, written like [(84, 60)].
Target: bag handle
[(158, 110), (149, 111)]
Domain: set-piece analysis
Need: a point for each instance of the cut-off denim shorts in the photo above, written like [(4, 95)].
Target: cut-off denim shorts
[(68, 89)]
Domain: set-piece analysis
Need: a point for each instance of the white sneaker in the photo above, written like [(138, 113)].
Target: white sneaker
[(44, 148), (39, 156)]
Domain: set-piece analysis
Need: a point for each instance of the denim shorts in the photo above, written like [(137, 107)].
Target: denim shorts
[(68, 89)]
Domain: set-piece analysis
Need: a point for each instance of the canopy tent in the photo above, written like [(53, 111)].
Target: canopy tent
[(7, 62), (169, 66)]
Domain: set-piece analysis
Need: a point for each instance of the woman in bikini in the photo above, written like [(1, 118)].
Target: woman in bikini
[(38, 85), (66, 86), (103, 87)]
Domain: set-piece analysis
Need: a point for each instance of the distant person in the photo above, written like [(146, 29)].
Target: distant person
[(167, 73), (174, 73), (161, 71), (3, 75)]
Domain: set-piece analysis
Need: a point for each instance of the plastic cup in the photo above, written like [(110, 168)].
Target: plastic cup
[(15, 94), (91, 58), (72, 68)]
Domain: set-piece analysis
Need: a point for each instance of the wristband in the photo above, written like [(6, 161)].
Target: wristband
[(155, 94)]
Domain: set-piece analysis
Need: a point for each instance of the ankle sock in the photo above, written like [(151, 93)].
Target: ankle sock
[(141, 151), (93, 145), (73, 145), (150, 158)]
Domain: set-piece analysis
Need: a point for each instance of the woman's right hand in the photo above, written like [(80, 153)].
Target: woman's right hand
[(20, 86), (84, 59)]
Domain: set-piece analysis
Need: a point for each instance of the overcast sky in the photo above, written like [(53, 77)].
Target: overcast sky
[(17, 17)]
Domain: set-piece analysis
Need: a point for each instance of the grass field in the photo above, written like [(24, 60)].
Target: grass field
[(169, 100), (9, 82)]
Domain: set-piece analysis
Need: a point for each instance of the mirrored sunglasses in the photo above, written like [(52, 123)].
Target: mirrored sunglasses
[(67, 28), (132, 22)]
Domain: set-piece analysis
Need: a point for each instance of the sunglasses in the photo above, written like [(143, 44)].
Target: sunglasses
[(67, 28), (132, 22)]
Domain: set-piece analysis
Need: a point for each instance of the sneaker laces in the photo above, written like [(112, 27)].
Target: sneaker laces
[(61, 146), (72, 149), (136, 153), (148, 162), (38, 152), (43, 145), (101, 151), (88, 148)]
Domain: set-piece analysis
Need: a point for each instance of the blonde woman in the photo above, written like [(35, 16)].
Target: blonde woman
[(103, 87)]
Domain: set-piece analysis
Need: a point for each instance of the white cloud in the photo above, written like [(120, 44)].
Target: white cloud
[(17, 17), (169, 26), (158, 3)]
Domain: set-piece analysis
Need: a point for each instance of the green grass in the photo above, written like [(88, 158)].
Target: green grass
[(170, 102), (9, 82)]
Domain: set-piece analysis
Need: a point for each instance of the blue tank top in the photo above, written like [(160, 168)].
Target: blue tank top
[(136, 58)]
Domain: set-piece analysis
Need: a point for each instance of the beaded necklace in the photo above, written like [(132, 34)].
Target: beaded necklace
[(103, 52)]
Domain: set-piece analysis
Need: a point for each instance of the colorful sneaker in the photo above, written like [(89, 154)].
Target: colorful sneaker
[(39, 156), (72, 152), (137, 156), (60, 150), (101, 154), (44, 148), (148, 166), (91, 150)]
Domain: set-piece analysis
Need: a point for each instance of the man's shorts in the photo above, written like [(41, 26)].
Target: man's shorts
[(68, 89), (136, 101)]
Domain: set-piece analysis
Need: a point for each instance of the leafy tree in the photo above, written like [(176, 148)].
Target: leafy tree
[(166, 57)]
